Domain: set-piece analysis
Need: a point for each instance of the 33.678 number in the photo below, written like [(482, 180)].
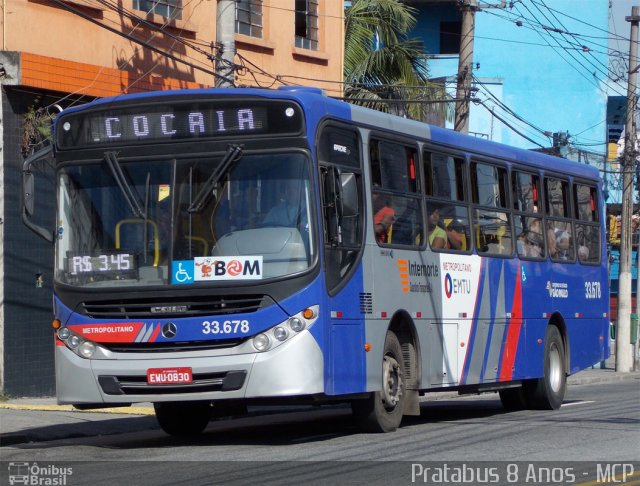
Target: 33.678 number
[(592, 290), (225, 327)]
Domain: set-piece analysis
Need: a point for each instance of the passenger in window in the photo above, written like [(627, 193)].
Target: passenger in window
[(530, 244), (437, 235), (583, 253), (454, 237), (384, 217), (563, 245), (533, 242)]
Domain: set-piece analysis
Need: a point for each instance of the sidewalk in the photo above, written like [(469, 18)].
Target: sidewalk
[(22, 419)]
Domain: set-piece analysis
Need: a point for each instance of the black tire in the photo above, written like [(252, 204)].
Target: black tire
[(513, 399), (547, 393), (183, 418), (382, 411)]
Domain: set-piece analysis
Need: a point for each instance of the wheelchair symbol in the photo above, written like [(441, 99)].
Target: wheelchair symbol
[(182, 276)]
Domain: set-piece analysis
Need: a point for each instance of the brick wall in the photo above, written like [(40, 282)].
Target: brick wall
[(27, 358)]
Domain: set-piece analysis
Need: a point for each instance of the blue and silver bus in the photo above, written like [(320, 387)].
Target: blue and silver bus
[(219, 248)]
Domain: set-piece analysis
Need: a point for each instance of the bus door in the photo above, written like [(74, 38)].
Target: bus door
[(342, 208)]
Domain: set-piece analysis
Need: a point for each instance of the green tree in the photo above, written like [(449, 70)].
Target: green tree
[(381, 63), (36, 130)]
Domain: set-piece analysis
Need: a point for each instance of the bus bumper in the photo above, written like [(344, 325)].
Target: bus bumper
[(293, 369)]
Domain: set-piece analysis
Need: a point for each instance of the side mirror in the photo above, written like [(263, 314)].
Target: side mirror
[(332, 205), (349, 194), (28, 186), (27, 202)]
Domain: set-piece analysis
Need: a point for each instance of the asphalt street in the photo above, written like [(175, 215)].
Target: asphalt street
[(24, 420)]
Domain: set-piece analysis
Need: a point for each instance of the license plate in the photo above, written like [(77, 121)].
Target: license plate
[(169, 376)]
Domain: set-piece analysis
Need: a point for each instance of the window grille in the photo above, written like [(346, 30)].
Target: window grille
[(167, 8), (306, 19), (249, 17)]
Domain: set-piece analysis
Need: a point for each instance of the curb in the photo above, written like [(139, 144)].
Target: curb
[(41, 407), (609, 376)]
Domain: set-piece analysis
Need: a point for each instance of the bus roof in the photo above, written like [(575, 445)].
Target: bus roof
[(318, 106)]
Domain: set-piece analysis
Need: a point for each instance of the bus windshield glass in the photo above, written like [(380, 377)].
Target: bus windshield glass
[(199, 221)]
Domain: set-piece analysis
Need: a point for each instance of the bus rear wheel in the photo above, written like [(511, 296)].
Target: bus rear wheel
[(382, 411), (547, 393), (183, 418)]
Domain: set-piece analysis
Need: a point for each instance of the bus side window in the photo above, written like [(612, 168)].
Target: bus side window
[(587, 228), (557, 197), (493, 232), (448, 226), (588, 243)]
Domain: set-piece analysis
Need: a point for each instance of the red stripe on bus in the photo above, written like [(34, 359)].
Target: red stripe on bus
[(156, 331), (513, 333)]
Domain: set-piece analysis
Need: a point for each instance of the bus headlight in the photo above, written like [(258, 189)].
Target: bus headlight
[(73, 341), (296, 324), (280, 333), (63, 333), (86, 349), (261, 342), (283, 331), (78, 344)]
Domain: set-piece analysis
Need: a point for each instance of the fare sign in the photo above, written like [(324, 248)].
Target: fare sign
[(169, 376)]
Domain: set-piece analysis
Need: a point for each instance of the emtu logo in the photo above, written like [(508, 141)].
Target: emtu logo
[(448, 285), (456, 285)]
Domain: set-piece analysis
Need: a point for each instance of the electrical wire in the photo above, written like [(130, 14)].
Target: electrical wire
[(592, 60), (574, 45), (120, 66), (505, 122), (151, 47)]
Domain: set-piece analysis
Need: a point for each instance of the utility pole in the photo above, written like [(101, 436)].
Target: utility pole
[(624, 349), (225, 31), (465, 65)]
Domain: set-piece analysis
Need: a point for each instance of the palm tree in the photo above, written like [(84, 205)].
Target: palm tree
[(382, 64)]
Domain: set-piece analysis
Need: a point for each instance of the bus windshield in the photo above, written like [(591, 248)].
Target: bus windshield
[(203, 221)]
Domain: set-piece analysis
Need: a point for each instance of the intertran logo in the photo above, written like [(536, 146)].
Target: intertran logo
[(408, 269), (403, 270)]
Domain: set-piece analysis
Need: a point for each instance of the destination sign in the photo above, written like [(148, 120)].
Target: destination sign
[(177, 120)]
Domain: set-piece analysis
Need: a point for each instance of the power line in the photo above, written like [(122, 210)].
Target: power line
[(572, 45), (581, 53), (151, 47), (505, 122), (570, 55), (507, 109), (617, 36)]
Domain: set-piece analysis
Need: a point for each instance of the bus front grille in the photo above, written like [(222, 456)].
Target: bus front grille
[(202, 382), (157, 307), (170, 347)]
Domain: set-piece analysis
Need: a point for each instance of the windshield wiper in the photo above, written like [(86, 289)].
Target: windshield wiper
[(234, 152), (114, 165)]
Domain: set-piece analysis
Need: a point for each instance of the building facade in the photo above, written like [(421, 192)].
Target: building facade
[(540, 70), (60, 53)]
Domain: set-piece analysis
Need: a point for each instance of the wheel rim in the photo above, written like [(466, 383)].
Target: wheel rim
[(392, 382), (555, 368)]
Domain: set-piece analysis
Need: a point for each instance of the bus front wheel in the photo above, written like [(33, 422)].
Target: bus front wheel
[(183, 418), (382, 411), (547, 393)]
